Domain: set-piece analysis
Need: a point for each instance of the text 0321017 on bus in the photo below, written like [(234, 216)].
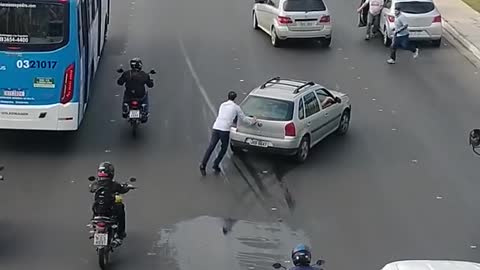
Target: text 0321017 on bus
[(49, 54)]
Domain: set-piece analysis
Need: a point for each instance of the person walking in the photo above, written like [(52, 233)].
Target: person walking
[(401, 37), (373, 17), (227, 113)]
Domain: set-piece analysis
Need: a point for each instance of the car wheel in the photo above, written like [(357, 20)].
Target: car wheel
[(325, 42), (274, 38), (386, 40), (303, 150), (437, 43), (255, 21), (344, 123)]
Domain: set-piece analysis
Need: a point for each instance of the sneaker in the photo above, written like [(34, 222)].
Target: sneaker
[(202, 170), (367, 37), (391, 61), (217, 169), (415, 54)]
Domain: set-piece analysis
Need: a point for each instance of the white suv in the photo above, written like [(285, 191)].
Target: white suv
[(293, 19)]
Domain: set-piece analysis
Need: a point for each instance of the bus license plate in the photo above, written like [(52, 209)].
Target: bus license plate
[(100, 239), (135, 114)]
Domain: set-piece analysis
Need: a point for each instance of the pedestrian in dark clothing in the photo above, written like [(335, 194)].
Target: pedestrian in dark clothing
[(227, 113), (401, 38)]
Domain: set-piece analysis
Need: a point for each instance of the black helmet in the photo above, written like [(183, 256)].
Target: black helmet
[(136, 64), (232, 95), (475, 138), (301, 255), (106, 171)]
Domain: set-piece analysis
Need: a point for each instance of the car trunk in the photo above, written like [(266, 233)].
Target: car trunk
[(305, 14), (418, 13)]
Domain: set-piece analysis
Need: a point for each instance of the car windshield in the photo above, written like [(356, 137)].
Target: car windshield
[(415, 7), (304, 5), (268, 108), (32, 23)]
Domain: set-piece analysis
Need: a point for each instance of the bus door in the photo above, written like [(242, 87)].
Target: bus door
[(85, 49)]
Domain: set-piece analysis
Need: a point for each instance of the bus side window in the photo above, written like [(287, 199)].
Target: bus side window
[(84, 23), (80, 29), (93, 4), (87, 13)]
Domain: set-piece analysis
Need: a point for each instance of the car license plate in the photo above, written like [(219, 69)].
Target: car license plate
[(258, 143), (100, 239), (306, 23), (134, 114), (415, 33)]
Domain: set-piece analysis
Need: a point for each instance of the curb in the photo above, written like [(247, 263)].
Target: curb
[(462, 40)]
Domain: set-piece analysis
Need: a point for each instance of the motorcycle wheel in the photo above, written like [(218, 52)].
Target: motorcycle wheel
[(103, 258), (134, 124)]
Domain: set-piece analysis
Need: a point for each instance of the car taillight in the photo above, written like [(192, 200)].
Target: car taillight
[(391, 18), (134, 103), (437, 19), (100, 224), (325, 19), (284, 20), (67, 90), (290, 130)]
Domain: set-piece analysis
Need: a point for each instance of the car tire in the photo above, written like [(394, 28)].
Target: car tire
[(437, 43), (274, 38), (344, 123), (386, 40), (325, 42), (254, 21), (303, 150)]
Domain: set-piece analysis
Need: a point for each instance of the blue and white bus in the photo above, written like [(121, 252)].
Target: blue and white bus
[(49, 53)]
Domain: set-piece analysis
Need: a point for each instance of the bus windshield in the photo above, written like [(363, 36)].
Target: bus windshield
[(33, 25)]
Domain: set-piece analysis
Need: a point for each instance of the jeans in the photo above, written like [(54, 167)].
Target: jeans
[(401, 42), (373, 22), (217, 135)]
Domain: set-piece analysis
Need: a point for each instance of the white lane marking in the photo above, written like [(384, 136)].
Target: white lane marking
[(473, 246), (202, 91), (235, 59), (414, 161), (237, 68), (358, 78), (373, 99), (340, 49), (112, 120), (394, 129), (241, 80), (108, 151), (117, 95), (439, 197), (380, 110), (345, 58)]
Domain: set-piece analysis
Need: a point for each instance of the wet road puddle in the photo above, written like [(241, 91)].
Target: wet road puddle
[(217, 244)]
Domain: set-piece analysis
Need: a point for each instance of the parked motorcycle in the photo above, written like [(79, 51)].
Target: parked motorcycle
[(104, 228), (278, 265), (136, 113), (1, 176)]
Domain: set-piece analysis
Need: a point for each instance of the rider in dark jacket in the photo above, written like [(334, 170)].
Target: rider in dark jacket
[(108, 187), (135, 81), (301, 258)]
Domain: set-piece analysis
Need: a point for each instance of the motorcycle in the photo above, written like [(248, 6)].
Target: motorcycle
[(136, 113), (278, 265), (104, 228)]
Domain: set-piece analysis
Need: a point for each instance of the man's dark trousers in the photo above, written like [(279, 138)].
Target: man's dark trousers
[(217, 135)]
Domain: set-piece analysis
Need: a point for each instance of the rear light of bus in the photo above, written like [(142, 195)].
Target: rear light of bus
[(284, 20), (290, 130), (437, 19), (68, 80), (391, 18)]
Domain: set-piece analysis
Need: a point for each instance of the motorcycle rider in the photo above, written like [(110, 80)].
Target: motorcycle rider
[(301, 258), (135, 80), (106, 184)]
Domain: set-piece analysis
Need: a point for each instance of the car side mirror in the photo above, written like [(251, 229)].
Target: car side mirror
[(1, 168), (338, 100), (91, 178), (277, 265), (474, 138), (133, 179), (120, 70), (260, 1), (153, 72), (320, 262)]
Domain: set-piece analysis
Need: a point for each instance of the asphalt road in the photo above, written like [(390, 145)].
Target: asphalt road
[(402, 185)]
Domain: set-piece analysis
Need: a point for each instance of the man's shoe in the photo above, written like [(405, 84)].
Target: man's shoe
[(217, 169), (202, 170)]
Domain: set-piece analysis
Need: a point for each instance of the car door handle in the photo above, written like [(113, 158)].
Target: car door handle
[(309, 123), (326, 114)]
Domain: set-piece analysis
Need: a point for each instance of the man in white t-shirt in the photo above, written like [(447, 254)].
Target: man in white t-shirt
[(374, 11)]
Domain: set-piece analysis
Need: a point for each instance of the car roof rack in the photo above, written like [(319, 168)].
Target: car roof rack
[(276, 80)]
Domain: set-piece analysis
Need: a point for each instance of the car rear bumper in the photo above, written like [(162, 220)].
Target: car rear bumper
[(433, 32), (42, 117), (284, 33), (270, 150), (281, 145)]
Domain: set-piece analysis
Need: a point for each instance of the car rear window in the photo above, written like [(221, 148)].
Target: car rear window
[(268, 108), (415, 7), (304, 5)]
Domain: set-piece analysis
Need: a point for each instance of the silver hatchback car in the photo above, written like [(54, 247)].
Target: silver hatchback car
[(293, 116)]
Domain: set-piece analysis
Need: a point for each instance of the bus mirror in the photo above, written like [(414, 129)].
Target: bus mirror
[(120, 70), (152, 71), (91, 178)]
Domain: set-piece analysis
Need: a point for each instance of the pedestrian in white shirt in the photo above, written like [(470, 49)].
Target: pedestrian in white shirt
[(374, 11), (227, 113)]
